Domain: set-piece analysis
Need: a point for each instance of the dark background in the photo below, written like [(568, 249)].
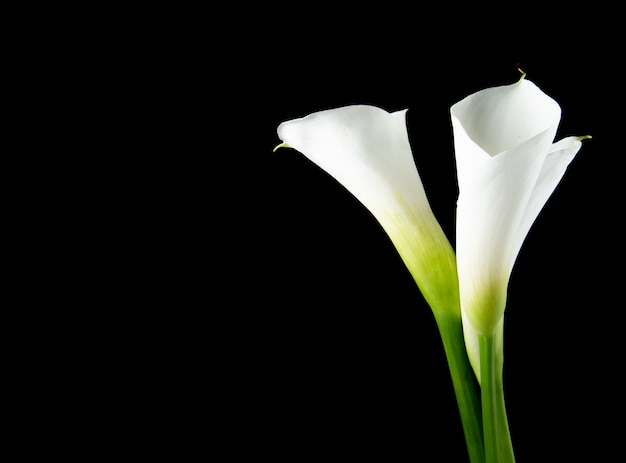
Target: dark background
[(211, 296)]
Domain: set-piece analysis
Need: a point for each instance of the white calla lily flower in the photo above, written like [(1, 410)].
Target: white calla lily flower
[(367, 150), (507, 168)]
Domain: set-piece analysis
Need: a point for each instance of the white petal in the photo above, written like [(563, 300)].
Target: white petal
[(500, 118), (492, 199), (507, 168), (367, 150), (552, 171), (364, 148), (502, 137)]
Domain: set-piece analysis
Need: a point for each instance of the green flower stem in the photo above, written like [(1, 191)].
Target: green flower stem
[(505, 446), (498, 446), (463, 381)]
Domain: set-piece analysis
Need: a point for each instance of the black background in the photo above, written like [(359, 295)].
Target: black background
[(234, 299)]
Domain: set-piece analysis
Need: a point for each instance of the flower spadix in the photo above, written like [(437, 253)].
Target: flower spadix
[(507, 168), (367, 150)]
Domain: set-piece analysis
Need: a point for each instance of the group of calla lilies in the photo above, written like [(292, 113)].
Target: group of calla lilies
[(507, 168)]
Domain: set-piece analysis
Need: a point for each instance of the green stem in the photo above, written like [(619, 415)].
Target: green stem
[(505, 446), (498, 446), (488, 396), (451, 331)]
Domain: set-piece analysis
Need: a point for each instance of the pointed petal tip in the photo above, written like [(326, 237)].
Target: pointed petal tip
[(584, 137), (280, 145)]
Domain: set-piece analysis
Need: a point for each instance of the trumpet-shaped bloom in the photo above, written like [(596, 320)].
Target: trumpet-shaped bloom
[(507, 168), (367, 150)]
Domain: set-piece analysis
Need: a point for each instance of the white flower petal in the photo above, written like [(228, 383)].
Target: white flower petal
[(507, 169), (364, 148), (502, 137), (490, 207), (558, 159), (367, 150), (499, 118)]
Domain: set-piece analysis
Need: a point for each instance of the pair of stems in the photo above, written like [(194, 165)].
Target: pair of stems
[(485, 423)]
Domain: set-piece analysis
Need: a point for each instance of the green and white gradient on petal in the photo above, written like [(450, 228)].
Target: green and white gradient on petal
[(507, 168), (367, 150)]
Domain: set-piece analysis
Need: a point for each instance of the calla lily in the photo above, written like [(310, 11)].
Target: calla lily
[(507, 168), (367, 150)]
